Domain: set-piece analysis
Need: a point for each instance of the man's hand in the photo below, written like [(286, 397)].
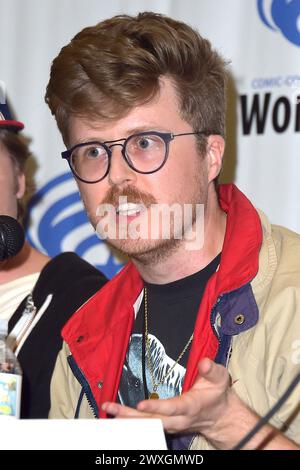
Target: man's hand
[(209, 408), (194, 411)]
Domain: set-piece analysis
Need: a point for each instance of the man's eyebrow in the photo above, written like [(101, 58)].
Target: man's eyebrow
[(86, 140), (129, 132), (149, 127)]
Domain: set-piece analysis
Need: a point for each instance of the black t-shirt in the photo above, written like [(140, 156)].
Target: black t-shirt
[(172, 312)]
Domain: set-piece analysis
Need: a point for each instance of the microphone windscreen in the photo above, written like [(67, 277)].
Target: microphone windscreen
[(11, 237)]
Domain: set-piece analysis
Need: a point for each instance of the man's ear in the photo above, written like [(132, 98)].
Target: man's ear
[(21, 185), (215, 151)]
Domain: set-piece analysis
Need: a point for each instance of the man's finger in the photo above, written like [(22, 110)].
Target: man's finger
[(168, 407), (212, 372), (120, 411)]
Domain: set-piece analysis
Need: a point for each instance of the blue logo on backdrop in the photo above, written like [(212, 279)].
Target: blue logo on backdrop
[(282, 15), (60, 224)]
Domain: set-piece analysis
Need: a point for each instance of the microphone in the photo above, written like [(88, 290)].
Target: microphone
[(11, 237)]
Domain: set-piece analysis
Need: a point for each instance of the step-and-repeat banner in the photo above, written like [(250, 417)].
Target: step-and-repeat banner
[(260, 38)]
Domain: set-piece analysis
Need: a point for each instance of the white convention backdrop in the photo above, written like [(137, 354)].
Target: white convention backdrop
[(261, 38)]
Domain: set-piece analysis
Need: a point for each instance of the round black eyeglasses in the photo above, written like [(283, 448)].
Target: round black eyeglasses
[(145, 152)]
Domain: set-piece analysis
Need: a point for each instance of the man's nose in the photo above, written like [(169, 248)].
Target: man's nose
[(120, 173)]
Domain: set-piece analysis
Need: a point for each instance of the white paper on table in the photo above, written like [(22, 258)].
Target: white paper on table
[(81, 434)]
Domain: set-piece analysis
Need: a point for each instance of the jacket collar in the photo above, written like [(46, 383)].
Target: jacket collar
[(238, 266), (243, 239)]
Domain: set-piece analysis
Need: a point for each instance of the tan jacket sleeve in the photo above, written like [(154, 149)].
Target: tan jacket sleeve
[(65, 389)]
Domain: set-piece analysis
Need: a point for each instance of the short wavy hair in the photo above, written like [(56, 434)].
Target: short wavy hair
[(108, 69)]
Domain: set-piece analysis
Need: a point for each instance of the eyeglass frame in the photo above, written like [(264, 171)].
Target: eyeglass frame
[(167, 137)]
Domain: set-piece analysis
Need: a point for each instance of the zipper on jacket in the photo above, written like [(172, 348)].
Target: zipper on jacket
[(90, 404), (192, 440), (85, 387)]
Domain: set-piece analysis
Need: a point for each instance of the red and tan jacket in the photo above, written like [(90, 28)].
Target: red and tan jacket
[(248, 320)]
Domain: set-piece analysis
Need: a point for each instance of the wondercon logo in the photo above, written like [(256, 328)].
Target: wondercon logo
[(59, 224), (283, 16)]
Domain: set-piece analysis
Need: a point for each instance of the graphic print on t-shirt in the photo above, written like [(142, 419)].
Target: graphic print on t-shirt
[(131, 388), (171, 312)]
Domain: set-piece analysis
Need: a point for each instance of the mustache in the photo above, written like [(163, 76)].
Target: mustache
[(132, 194)]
